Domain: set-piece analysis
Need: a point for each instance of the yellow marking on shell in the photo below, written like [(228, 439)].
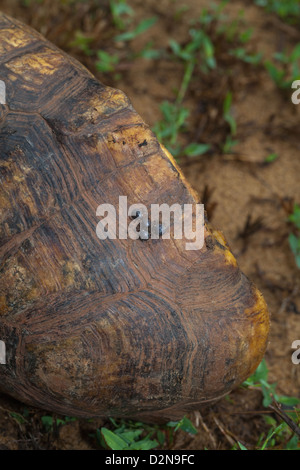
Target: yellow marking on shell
[(260, 304), (17, 183), (33, 294), (36, 67), (107, 102), (18, 178), (220, 237), (13, 38), (123, 144), (70, 269), (229, 258), (260, 323)]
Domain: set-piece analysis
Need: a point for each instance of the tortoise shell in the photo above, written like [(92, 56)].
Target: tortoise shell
[(115, 327)]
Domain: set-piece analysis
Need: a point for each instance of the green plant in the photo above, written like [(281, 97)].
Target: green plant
[(130, 435), (228, 144), (20, 418), (227, 113), (275, 434), (139, 29), (194, 149), (198, 54), (286, 69), (288, 10), (241, 446), (230, 29), (260, 380), (121, 13), (213, 14), (82, 42), (245, 35), (148, 52), (184, 424), (241, 54), (126, 439), (172, 123), (282, 433), (49, 422), (294, 240), (106, 62), (271, 158), (200, 49), (229, 118)]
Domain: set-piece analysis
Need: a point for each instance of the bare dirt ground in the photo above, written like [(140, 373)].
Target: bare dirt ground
[(237, 187)]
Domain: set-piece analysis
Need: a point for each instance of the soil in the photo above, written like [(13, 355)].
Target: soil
[(245, 197)]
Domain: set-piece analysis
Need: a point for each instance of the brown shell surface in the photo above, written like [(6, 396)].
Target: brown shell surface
[(111, 327)]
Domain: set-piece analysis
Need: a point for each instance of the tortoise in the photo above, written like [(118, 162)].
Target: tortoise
[(114, 327)]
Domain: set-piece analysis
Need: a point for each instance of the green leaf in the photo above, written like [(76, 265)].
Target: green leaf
[(289, 401), (241, 446), (172, 424), (129, 436), (82, 42), (113, 441), (295, 55), (141, 28), (149, 53), (295, 247), (227, 102), (176, 48), (145, 24), (161, 437), (276, 74), (261, 372), (281, 57), (293, 443), (119, 9), (270, 420), (144, 444), (100, 439), (241, 54), (194, 149), (209, 52), (246, 35), (47, 422), (271, 158), (271, 433), (267, 400), (227, 113), (184, 424), (18, 417), (106, 62), (295, 216)]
